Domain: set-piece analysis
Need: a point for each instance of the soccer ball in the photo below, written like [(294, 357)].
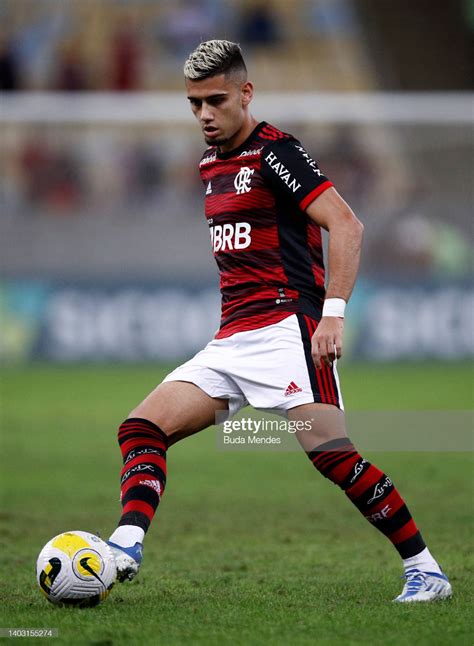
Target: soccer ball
[(76, 569)]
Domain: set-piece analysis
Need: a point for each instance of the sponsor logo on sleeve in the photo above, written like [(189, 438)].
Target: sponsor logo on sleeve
[(282, 172), (309, 160)]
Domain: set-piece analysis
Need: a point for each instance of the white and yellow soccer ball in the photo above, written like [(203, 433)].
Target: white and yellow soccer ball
[(76, 569)]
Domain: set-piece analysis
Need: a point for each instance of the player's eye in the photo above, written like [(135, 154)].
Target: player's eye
[(195, 103)]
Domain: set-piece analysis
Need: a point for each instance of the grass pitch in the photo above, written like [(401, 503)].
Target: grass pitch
[(247, 548)]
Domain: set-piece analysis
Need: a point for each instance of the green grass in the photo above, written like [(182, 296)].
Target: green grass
[(248, 548)]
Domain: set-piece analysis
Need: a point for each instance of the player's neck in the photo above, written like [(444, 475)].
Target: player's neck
[(244, 133)]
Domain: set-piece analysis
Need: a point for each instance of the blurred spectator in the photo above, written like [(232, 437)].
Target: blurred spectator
[(259, 25), (185, 24), (65, 190), (346, 160), (71, 70), (51, 178), (453, 255), (414, 243), (37, 38), (143, 170), (9, 69), (330, 17), (33, 161), (125, 60)]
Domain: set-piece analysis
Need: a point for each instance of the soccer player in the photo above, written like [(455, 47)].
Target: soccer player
[(281, 329)]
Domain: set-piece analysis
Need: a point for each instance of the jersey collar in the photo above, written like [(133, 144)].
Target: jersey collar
[(243, 145)]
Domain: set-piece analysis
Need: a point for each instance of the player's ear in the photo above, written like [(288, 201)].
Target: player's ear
[(246, 93)]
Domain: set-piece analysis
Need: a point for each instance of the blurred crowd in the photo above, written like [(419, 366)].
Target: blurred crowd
[(130, 45), (415, 220)]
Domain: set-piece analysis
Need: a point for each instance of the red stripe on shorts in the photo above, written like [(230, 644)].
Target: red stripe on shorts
[(312, 325)]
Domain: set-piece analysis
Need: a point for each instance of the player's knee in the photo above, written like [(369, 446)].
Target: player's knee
[(139, 413), (164, 420)]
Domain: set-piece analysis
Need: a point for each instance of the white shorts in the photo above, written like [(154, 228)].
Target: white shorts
[(269, 368)]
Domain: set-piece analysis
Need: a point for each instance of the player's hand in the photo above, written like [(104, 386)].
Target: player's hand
[(326, 344)]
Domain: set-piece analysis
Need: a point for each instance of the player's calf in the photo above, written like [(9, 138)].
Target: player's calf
[(376, 497), (142, 483), (371, 491), (171, 412)]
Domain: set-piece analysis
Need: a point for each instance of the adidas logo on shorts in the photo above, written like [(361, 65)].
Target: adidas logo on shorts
[(292, 389)]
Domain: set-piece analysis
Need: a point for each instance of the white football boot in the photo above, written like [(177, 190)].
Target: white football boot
[(127, 560), (424, 586)]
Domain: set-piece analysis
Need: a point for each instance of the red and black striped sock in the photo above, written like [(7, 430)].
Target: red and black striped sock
[(371, 491), (143, 476)]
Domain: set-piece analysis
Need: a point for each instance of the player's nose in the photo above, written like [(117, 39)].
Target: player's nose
[(206, 114)]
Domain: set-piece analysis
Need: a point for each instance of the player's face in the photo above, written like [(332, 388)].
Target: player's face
[(220, 106)]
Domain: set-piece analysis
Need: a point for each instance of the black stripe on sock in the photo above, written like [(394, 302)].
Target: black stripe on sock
[(390, 525), (411, 547), (144, 450), (136, 518), (360, 467), (143, 493), (375, 494), (150, 470)]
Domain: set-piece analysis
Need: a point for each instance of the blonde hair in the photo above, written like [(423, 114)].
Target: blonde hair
[(214, 57)]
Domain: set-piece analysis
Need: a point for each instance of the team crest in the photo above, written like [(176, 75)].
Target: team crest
[(242, 180)]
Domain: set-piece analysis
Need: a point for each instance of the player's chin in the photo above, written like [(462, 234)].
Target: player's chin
[(215, 141)]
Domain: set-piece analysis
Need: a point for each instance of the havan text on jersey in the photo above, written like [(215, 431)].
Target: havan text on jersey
[(276, 165), (262, 238)]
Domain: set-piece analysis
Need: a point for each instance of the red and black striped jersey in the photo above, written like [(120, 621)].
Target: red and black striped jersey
[(267, 248)]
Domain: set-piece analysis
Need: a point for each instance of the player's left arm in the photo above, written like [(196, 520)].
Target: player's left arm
[(332, 213), (289, 168)]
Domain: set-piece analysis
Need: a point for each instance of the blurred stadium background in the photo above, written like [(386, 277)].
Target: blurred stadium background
[(103, 244)]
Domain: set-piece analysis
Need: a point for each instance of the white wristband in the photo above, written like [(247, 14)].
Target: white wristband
[(334, 307)]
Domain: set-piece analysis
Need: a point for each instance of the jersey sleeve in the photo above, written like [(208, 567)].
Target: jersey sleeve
[(287, 167)]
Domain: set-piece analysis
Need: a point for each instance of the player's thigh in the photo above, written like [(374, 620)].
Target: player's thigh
[(180, 409), (322, 423)]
